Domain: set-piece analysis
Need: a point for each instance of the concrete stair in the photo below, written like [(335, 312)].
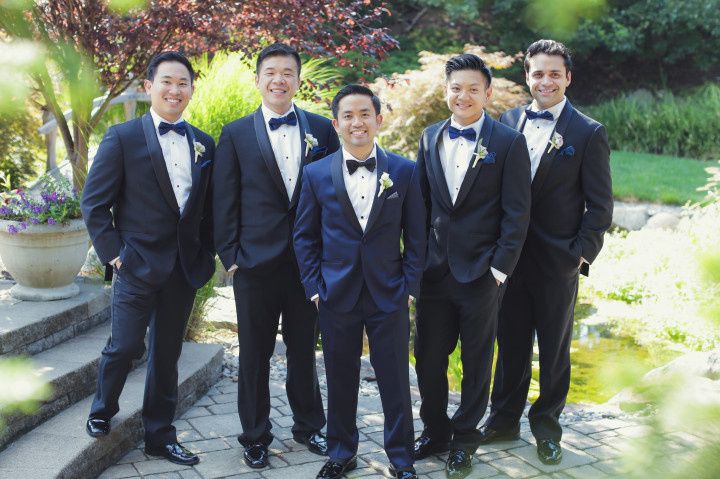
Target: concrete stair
[(66, 338)]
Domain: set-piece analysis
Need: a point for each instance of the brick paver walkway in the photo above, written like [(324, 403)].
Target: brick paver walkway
[(210, 428)]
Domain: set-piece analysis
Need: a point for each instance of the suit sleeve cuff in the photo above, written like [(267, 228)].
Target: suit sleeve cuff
[(499, 275), (314, 297), (232, 268), (114, 260)]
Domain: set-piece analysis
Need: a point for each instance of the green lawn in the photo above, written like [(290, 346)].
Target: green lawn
[(657, 178)]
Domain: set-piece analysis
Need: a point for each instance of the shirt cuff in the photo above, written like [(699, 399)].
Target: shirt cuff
[(499, 275), (232, 268), (584, 260), (113, 261), (315, 296)]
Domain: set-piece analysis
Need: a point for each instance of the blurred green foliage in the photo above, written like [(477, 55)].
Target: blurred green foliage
[(21, 147), (22, 389)]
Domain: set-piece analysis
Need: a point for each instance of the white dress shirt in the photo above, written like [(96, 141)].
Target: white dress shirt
[(537, 133), (285, 142), (361, 186), (178, 160), (456, 155)]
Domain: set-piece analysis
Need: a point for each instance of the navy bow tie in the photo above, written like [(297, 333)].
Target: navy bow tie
[(353, 165), (467, 133), (178, 128), (533, 115), (289, 119)]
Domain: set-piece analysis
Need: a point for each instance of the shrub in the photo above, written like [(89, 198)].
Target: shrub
[(226, 90), (416, 99), (21, 147), (664, 123)]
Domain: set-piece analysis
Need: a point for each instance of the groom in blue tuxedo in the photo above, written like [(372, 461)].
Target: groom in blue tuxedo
[(147, 207), (571, 210), (355, 207)]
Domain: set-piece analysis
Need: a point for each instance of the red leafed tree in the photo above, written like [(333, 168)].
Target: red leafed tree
[(88, 42)]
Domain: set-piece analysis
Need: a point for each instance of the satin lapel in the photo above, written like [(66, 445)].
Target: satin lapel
[(266, 152), (158, 162), (522, 118), (547, 159), (472, 173), (336, 166), (304, 128), (438, 174), (195, 169), (382, 167)]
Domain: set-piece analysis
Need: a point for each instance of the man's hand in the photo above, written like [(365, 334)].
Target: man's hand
[(118, 265), (317, 303), (498, 282)]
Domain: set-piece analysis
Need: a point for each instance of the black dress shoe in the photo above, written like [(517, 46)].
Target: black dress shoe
[(315, 442), (459, 463), (174, 453), (256, 455), (425, 446), (97, 427), (488, 434), (549, 451), (334, 469), (403, 474)]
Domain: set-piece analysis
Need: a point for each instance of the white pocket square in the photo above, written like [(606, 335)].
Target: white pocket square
[(393, 196)]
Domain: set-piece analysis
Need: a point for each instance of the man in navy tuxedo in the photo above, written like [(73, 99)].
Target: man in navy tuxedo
[(571, 210), (147, 207), (475, 177), (258, 169), (355, 206)]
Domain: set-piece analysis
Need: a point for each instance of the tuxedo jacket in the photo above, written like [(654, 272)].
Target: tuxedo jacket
[(336, 257), (487, 224), (254, 216), (572, 200), (130, 209)]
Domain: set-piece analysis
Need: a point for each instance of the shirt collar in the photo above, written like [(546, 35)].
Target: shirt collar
[(348, 156), (157, 119), (268, 113), (555, 110), (475, 126)]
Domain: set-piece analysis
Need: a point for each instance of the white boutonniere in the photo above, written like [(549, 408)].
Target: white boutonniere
[(385, 183), (556, 141), (480, 154), (199, 150), (310, 143)]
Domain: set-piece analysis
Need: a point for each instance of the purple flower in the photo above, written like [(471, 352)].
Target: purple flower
[(12, 229), (34, 220), (51, 221), (54, 196), (4, 210), (23, 225)]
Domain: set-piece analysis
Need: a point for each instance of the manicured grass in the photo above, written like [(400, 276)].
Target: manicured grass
[(657, 178)]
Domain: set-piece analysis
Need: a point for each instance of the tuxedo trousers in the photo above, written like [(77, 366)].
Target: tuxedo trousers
[(261, 296), (388, 337), (542, 306), (134, 308), (448, 310)]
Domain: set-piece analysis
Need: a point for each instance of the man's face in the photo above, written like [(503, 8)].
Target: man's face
[(547, 79), (467, 93), (170, 91), (277, 80), (356, 122)]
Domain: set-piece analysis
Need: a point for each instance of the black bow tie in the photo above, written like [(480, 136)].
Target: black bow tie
[(467, 133), (533, 115), (289, 119), (178, 128), (353, 165)]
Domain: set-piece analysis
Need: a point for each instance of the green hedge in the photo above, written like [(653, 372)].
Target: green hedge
[(662, 123)]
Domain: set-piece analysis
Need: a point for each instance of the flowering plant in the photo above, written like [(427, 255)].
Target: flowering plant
[(58, 202)]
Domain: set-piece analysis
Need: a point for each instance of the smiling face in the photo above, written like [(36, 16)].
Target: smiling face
[(467, 94), (277, 80), (357, 124), (170, 90), (548, 78)]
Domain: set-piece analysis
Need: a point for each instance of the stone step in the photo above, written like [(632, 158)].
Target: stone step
[(28, 327), (60, 448), (71, 370)]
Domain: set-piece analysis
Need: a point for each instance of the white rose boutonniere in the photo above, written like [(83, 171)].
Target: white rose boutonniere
[(556, 141), (385, 183), (199, 150), (480, 154), (310, 143)]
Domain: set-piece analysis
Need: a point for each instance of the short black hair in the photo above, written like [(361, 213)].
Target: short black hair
[(468, 61), (548, 47), (168, 56), (354, 89), (274, 50)]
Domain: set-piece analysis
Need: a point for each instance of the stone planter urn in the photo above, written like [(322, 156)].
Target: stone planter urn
[(44, 259)]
